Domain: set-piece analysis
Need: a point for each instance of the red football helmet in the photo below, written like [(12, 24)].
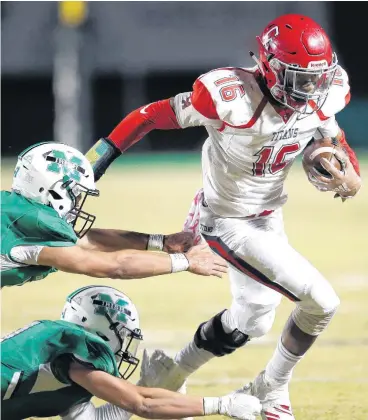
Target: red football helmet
[(297, 61)]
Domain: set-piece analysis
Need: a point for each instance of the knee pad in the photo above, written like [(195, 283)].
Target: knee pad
[(212, 337), (312, 324)]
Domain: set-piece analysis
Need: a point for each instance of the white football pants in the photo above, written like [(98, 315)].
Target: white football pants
[(263, 266)]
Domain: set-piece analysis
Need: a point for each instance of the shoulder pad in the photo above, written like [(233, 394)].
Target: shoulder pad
[(339, 95), (87, 348), (32, 223), (55, 228), (234, 92)]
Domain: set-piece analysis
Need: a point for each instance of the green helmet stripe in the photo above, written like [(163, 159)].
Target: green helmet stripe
[(82, 289), (76, 292), (33, 146)]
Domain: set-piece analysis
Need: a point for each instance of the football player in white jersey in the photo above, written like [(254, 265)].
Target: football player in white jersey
[(258, 121)]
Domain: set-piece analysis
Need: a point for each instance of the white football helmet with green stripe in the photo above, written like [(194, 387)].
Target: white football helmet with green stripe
[(111, 315), (59, 176)]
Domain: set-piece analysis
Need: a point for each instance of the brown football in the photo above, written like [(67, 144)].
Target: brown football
[(323, 148)]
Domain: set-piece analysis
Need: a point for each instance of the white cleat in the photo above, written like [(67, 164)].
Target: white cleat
[(160, 371), (274, 398)]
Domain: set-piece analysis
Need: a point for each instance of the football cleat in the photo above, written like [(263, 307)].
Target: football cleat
[(160, 371), (274, 398)]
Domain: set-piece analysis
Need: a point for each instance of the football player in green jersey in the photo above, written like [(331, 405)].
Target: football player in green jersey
[(54, 368), (44, 227)]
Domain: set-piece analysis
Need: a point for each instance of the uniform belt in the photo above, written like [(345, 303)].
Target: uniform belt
[(252, 216), (264, 213)]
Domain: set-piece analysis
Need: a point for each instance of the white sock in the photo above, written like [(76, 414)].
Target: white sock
[(281, 365), (191, 358)]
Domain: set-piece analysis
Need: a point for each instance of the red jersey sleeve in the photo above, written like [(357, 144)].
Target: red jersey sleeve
[(352, 156), (157, 115)]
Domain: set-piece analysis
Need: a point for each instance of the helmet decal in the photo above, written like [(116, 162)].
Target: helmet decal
[(116, 309), (70, 166), (321, 64), (269, 36), (16, 170), (28, 149)]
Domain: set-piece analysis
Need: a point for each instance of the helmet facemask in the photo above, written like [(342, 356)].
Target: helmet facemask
[(128, 346), (303, 90), (80, 220)]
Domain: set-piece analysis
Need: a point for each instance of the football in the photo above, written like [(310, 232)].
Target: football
[(323, 148)]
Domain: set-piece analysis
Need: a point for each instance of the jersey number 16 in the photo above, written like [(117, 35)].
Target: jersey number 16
[(274, 165)]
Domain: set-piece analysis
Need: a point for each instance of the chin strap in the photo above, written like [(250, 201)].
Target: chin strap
[(259, 64)]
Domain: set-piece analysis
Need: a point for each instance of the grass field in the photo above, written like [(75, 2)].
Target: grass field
[(329, 384)]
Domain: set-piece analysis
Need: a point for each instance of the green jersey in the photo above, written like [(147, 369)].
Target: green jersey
[(26, 222), (35, 364)]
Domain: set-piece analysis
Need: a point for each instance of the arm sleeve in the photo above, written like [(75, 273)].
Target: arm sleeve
[(157, 115), (87, 411), (352, 156), (185, 110)]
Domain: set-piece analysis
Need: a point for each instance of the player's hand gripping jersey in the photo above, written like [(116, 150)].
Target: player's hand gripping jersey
[(26, 227), (252, 142), (35, 365)]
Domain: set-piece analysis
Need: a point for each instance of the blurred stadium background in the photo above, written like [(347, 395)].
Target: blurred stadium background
[(72, 70)]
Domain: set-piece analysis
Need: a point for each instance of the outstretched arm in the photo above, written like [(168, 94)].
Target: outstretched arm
[(159, 403), (157, 115), (110, 240), (189, 109), (144, 402), (131, 264)]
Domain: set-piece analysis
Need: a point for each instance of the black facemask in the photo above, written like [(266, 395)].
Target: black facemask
[(81, 220), (128, 347)]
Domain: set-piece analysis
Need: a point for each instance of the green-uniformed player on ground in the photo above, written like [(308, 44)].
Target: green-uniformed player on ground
[(51, 368), (44, 227)]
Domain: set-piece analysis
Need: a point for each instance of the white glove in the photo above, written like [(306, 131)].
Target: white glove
[(238, 405), (160, 371)]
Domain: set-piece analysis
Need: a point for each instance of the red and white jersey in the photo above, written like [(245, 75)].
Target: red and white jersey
[(251, 143)]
